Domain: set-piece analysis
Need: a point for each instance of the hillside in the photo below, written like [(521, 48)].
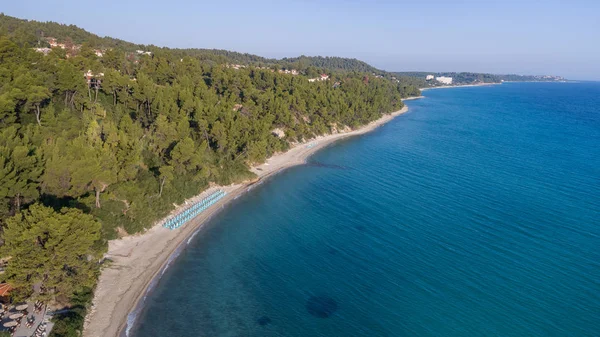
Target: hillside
[(337, 63), (30, 33), (34, 34)]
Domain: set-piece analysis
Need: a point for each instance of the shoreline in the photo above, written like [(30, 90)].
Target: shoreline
[(138, 260), (460, 86)]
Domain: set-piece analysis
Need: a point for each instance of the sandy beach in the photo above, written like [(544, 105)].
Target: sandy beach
[(138, 259)]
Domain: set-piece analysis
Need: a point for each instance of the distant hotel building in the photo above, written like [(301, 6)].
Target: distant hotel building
[(429, 77), (444, 79)]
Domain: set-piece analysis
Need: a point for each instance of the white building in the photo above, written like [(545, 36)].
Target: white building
[(44, 51), (323, 77), (52, 41), (444, 79), (429, 77)]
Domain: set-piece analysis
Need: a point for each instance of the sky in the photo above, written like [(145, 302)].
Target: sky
[(524, 37)]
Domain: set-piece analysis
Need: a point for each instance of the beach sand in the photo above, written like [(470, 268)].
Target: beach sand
[(137, 259)]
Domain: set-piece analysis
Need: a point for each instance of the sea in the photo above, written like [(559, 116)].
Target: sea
[(477, 213)]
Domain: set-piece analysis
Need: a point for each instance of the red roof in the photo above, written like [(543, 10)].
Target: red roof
[(5, 288)]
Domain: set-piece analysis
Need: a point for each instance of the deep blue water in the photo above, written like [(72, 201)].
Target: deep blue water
[(475, 214)]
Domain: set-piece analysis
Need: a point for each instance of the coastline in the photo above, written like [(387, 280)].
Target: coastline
[(137, 260), (459, 86)]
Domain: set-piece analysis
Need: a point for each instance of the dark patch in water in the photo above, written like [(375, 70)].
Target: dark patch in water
[(263, 321), (331, 166), (321, 306), (332, 251), (361, 228)]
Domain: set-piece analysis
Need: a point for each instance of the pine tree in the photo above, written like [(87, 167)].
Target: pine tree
[(20, 168), (57, 250)]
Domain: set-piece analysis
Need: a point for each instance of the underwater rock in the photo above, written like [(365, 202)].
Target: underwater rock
[(263, 321), (321, 306)]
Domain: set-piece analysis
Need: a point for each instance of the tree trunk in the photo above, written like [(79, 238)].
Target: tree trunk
[(37, 115), (18, 202), (115, 97), (97, 198), (206, 136), (89, 92), (73, 98), (96, 97), (162, 184)]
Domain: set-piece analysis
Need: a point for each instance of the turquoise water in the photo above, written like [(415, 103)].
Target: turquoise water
[(475, 214)]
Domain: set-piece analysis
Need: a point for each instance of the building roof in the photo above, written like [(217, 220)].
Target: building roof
[(5, 288)]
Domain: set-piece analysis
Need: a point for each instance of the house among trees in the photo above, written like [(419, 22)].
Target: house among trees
[(93, 79), (44, 51), (54, 43), (323, 77), (288, 71), (235, 66)]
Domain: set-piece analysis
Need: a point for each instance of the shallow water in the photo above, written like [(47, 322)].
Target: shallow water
[(475, 214)]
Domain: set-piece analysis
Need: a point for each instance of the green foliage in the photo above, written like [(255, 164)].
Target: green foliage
[(70, 323), (20, 167), (146, 131), (58, 250), (336, 63)]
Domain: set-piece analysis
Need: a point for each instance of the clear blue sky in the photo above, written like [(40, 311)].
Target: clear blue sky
[(525, 37)]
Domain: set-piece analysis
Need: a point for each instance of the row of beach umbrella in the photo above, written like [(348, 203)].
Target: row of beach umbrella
[(16, 315), (183, 217), (18, 308), (10, 324)]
